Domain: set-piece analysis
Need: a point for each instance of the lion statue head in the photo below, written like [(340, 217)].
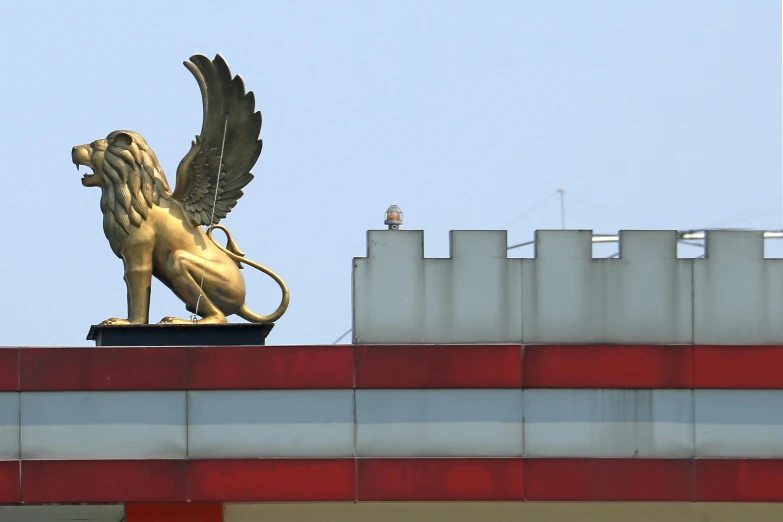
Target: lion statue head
[(129, 175)]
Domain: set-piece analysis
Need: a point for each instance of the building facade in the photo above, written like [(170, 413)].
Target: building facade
[(478, 387)]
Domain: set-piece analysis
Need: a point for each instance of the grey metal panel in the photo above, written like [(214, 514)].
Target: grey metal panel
[(473, 296), (484, 293), (559, 294), (388, 288), (608, 423), (439, 423), (739, 423), (738, 295), (103, 425), (9, 426), (563, 295), (648, 291), (104, 513), (438, 304), (270, 423), (644, 296)]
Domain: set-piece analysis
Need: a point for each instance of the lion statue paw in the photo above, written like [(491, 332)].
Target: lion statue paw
[(114, 321), (174, 320)]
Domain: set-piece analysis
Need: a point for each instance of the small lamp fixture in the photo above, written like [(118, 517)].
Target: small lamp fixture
[(393, 217)]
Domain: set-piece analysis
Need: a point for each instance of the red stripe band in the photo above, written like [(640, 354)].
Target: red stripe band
[(348, 480), (425, 366)]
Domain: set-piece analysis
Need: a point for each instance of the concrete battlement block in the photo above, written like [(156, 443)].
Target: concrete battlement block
[(388, 286), (648, 290), (738, 295), (401, 244), (558, 290)]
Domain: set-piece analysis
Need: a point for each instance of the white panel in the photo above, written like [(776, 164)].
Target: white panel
[(103, 425), (608, 423), (737, 293), (270, 423), (559, 297), (106, 513), (439, 423), (9, 426), (648, 291), (739, 423), (388, 288)]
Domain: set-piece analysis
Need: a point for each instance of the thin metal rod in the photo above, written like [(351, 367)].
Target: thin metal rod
[(562, 208), (342, 336), (684, 237), (211, 219), (526, 243)]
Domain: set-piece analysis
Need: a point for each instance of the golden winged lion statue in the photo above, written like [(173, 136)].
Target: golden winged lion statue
[(158, 232)]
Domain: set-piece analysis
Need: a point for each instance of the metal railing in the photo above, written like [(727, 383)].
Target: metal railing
[(686, 237)]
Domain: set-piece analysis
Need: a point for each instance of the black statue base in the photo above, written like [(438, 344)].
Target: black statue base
[(232, 334)]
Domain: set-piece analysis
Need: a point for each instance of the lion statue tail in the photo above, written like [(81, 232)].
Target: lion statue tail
[(237, 255)]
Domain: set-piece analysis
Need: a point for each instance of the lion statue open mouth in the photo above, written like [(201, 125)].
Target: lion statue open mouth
[(158, 232)]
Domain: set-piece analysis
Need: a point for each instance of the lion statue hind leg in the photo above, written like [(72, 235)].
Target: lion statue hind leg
[(184, 272)]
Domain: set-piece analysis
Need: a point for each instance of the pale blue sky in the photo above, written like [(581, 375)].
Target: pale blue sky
[(462, 113)]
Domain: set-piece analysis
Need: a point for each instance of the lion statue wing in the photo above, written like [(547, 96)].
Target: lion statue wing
[(229, 110)]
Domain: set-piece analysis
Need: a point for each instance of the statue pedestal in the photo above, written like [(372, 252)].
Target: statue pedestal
[(232, 334)]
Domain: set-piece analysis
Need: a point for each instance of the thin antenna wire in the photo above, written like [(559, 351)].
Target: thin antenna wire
[(211, 219), (746, 214), (529, 210), (609, 209)]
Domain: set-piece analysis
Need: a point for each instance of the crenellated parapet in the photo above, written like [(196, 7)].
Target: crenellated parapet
[(563, 295)]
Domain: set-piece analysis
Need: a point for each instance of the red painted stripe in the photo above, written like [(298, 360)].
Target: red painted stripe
[(279, 480), (10, 488), (94, 369), (9, 369), (738, 367), (91, 481), (466, 366), (190, 512), (608, 366), (739, 480), (421, 480), (175, 482), (425, 366), (271, 367), (609, 480)]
